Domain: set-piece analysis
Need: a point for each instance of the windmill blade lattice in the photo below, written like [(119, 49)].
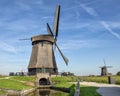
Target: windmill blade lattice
[(56, 21), (49, 30), (64, 58)]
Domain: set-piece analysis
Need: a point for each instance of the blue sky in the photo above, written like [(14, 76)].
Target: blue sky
[(89, 31)]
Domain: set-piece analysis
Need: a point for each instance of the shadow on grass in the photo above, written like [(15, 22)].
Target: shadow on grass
[(72, 90)]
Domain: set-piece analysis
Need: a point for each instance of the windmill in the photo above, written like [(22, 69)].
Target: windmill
[(104, 71), (42, 58)]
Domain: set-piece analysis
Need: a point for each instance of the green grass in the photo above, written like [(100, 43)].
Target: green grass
[(16, 83), (88, 91), (62, 84), (64, 79), (100, 79), (24, 78), (84, 90), (67, 85), (12, 84), (117, 79)]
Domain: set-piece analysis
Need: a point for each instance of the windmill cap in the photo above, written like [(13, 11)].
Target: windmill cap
[(48, 38)]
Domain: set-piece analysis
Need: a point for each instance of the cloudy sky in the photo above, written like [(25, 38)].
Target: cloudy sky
[(89, 32)]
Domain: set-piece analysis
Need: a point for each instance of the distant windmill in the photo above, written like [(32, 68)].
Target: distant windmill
[(42, 57), (104, 71)]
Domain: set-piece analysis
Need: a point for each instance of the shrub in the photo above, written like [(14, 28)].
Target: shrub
[(118, 73)]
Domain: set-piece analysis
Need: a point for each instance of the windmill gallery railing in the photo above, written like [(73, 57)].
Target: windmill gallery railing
[(77, 91)]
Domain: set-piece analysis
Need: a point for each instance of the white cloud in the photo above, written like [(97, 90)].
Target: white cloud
[(114, 24), (90, 10), (72, 25), (6, 47), (77, 44), (20, 26), (71, 8), (109, 29), (26, 6)]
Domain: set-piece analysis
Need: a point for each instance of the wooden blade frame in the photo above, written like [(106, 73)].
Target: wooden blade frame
[(64, 58), (56, 21), (49, 30), (25, 39)]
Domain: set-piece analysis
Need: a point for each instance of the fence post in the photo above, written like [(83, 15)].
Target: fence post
[(111, 80)]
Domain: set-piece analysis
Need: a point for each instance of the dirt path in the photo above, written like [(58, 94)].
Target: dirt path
[(105, 89), (5, 77)]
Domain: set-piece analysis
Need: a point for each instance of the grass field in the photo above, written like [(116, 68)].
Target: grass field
[(62, 84), (100, 79), (117, 79), (16, 82), (88, 91), (84, 90), (66, 83), (12, 84), (19, 83), (23, 78), (65, 79)]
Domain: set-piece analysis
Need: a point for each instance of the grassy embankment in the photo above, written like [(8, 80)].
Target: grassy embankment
[(16, 82), (66, 83)]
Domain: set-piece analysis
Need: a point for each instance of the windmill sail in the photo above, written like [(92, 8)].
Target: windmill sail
[(104, 62), (64, 58), (56, 21), (25, 39), (49, 30)]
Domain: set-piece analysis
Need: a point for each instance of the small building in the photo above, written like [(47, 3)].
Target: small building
[(11, 74)]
